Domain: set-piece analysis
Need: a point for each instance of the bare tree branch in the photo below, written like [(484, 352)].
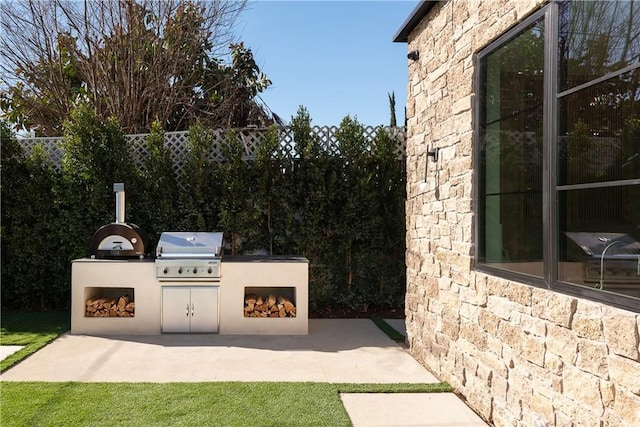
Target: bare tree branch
[(137, 60)]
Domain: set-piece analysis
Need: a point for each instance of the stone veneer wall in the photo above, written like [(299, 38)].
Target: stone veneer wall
[(519, 354)]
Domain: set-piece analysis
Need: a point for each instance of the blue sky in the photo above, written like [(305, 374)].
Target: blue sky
[(333, 57)]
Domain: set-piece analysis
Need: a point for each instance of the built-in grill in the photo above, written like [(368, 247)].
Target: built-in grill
[(191, 256), (610, 258)]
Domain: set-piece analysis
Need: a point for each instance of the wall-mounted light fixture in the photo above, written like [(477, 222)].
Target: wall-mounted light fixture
[(413, 55), (434, 155)]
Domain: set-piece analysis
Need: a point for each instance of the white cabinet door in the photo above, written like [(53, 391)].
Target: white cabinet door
[(204, 309), (186, 309), (176, 309)]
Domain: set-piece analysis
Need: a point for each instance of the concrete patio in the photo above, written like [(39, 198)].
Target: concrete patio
[(336, 350)]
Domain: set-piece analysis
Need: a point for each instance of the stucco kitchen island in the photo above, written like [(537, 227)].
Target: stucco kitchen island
[(211, 307)]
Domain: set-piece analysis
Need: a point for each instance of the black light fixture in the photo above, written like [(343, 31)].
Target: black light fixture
[(434, 155), (413, 55)]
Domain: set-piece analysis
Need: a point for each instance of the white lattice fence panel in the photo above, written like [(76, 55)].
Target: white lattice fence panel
[(326, 137), (218, 141), (52, 147), (139, 149), (251, 139), (370, 133), (400, 136), (287, 142), (178, 143)]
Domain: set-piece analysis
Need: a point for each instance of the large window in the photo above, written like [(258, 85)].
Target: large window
[(558, 151)]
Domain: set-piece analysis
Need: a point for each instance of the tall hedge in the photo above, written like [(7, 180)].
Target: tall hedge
[(96, 155), (30, 246), (157, 205), (344, 211)]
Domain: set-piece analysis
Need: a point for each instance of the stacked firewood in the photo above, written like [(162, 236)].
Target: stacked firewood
[(110, 307), (271, 306)]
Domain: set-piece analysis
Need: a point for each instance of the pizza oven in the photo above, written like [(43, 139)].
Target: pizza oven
[(119, 239)]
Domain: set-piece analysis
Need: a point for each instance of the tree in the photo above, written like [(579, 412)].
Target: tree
[(157, 202), (199, 193), (354, 196), (231, 100), (274, 196), (237, 199), (392, 108), (136, 60)]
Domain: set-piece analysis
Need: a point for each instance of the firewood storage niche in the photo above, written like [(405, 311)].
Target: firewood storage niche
[(269, 302), (109, 302)]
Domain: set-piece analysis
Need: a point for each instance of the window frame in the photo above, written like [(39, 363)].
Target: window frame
[(550, 14)]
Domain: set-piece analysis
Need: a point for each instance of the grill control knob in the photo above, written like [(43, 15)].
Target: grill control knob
[(195, 270), (180, 270), (166, 270), (209, 270)]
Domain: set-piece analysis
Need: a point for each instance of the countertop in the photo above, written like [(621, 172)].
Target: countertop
[(264, 258)]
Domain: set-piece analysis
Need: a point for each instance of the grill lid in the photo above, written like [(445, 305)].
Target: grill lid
[(595, 244), (187, 244)]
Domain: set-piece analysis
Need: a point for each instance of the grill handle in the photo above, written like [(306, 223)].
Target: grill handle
[(192, 255)]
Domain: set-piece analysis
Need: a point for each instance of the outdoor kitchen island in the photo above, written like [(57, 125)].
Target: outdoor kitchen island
[(145, 305)]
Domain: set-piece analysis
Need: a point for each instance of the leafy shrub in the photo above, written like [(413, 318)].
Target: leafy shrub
[(274, 200), (158, 205), (96, 155), (29, 255), (199, 190), (237, 212), (344, 212)]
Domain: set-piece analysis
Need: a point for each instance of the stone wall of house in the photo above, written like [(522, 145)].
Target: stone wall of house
[(520, 355)]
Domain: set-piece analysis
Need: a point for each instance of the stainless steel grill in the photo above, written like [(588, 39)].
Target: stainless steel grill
[(191, 256)]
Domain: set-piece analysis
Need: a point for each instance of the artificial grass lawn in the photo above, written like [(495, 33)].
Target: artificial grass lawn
[(161, 404), (32, 330)]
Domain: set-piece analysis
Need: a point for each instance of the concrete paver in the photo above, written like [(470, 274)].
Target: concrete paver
[(8, 350), (409, 409)]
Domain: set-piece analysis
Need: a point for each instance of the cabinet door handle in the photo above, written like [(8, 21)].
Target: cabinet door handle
[(191, 309), (187, 310)]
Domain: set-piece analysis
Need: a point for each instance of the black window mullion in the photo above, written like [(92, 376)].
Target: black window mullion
[(599, 80), (601, 184), (478, 78), (550, 147)]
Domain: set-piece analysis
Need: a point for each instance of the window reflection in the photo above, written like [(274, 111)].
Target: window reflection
[(600, 238), (511, 154), (600, 132), (599, 146), (597, 38)]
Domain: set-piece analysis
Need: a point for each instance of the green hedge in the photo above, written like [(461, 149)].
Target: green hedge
[(344, 211)]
